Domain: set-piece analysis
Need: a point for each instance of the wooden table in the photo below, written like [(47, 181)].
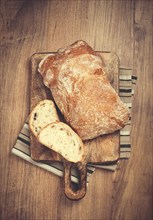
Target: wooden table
[(124, 27)]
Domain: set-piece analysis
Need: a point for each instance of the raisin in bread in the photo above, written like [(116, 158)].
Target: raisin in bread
[(43, 114), (62, 139)]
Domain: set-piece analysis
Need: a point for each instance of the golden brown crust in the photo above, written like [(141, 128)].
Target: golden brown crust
[(82, 91), (72, 51)]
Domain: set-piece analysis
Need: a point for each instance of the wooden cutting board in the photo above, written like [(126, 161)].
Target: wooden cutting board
[(101, 150), (104, 149)]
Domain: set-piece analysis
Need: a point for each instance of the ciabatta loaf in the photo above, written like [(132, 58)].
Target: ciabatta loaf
[(82, 92), (43, 114), (62, 139)]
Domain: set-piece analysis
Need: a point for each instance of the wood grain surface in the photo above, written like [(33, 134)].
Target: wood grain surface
[(30, 26)]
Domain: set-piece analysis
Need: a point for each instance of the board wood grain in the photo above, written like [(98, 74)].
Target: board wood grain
[(103, 149)]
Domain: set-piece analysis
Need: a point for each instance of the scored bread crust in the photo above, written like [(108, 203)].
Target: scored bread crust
[(81, 90), (60, 138), (41, 115)]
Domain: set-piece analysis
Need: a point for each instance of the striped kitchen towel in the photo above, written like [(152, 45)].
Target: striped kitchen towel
[(126, 91), (127, 82)]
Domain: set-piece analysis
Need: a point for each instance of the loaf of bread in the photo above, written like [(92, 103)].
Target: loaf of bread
[(62, 139), (43, 114), (81, 90)]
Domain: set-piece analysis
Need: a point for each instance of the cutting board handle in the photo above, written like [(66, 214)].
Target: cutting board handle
[(82, 172)]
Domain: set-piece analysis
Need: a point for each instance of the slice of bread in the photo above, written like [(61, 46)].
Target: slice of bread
[(62, 139), (43, 114)]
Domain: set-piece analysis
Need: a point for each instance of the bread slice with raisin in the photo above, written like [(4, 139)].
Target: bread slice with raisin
[(43, 114), (62, 139)]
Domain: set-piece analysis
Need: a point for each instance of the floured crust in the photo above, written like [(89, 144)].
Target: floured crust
[(81, 90)]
